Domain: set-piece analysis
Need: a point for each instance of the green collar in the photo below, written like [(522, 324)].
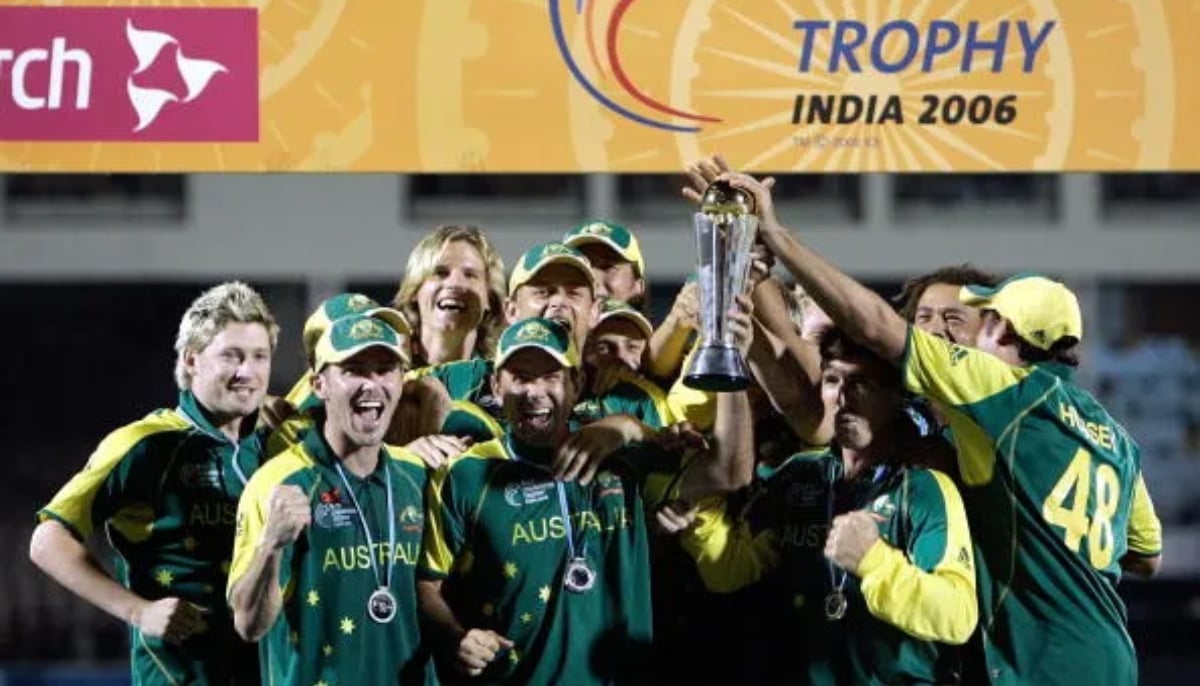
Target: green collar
[(194, 412), (318, 448), (1062, 371)]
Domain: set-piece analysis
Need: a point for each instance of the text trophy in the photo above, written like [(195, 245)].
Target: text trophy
[(725, 231)]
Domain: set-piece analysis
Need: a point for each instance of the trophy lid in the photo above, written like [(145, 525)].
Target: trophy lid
[(721, 197)]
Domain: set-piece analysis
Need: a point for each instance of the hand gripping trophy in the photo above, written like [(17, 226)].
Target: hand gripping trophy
[(726, 227)]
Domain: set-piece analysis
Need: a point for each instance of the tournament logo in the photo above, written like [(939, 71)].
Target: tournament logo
[(805, 494), (131, 74), (203, 475), (527, 492), (331, 515), (654, 113)]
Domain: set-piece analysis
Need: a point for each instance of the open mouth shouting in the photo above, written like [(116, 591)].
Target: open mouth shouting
[(539, 419)]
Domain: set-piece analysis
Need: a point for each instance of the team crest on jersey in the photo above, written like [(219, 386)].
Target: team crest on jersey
[(805, 494), (333, 515), (609, 484), (884, 506), (527, 492), (199, 475), (411, 518)]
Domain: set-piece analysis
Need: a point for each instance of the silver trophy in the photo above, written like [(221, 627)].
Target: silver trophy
[(725, 231)]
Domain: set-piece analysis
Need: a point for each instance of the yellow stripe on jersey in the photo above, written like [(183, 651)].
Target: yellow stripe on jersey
[(300, 392), (728, 555), (1145, 531), (73, 504), (435, 549), (938, 605), (252, 508)]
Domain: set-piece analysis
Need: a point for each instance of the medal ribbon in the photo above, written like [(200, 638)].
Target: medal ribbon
[(563, 506), (391, 515)]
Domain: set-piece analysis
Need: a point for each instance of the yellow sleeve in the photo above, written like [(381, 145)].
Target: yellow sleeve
[(934, 601), (728, 555), (252, 515), (690, 405), (1145, 531), (112, 479), (953, 374), (300, 392), (251, 522), (979, 394)]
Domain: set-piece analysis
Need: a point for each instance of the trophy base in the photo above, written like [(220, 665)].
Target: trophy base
[(718, 369)]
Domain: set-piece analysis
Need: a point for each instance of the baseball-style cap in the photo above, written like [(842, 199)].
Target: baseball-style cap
[(546, 335), (344, 304), (612, 308), (352, 334), (541, 256), (1042, 311), (613, 235)]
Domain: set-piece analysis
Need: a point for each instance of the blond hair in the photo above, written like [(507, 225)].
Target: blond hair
[(223, 304), (421, 263)]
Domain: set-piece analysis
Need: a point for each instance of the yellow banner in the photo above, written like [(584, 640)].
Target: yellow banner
[(611, 85)]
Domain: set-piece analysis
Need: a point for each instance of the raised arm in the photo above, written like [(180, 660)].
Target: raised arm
[(857, 310)]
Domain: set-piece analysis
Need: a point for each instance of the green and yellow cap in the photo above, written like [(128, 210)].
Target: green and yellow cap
[(1042, 311), (541, 256), (612, 309), (613, 235), (546, 335), (352, 334), (345, 304)]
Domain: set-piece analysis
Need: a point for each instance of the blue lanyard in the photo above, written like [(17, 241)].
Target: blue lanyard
[(563, 506), (391, 515), (838, 583)]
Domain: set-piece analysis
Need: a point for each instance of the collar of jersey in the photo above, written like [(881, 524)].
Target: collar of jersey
[(1062, 371), (318, 449), (194, 412)]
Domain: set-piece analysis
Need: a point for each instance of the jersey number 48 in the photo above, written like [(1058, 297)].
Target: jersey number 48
[(1077, 480)]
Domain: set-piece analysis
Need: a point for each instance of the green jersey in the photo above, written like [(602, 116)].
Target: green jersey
[(324, 634), (165, 488), (504, 533), (1054, 491), (914, 587)]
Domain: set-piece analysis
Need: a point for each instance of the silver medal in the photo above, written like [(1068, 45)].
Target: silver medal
[(835, 605), (579, 577), (381, 606)]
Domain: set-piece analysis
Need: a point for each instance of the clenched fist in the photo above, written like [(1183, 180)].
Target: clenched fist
[(288, 512), (171, 619), (850, 537), (478, 648)]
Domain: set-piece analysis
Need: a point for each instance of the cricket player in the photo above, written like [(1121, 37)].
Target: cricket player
[(329, 531), (165, 489), (1052, 483)]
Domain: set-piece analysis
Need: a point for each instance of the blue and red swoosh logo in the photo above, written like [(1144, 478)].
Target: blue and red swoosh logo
[(587, 10)]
